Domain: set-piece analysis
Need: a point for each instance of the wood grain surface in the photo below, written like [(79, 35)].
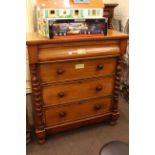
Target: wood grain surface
[(75, 81), (70, 70)]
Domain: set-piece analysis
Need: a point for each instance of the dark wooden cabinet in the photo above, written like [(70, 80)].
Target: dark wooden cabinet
[(75, 81), (109, 12)]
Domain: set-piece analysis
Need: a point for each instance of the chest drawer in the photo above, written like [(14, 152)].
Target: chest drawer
[(60, 93), (51, 72), (75, 111)]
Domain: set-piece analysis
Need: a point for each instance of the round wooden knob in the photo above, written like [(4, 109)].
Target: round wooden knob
[(61, 94), (99, 88), (62, 114), (97, 107), (99, 67), (60, 71)]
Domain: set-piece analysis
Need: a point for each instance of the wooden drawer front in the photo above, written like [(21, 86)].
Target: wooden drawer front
[(61, 93), (77, 69), (75, 111), (80, 49)]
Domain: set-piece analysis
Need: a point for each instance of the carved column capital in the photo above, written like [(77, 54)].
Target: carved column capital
[(116, 91)]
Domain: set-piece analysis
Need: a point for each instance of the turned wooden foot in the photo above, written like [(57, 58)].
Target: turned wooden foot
[(41, 141), (41, 136), (113, 122), (114, 118)]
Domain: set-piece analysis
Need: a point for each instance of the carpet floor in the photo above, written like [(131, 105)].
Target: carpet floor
[(85, 140)]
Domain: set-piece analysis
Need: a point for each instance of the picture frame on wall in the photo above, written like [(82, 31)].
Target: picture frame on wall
[(81, 1)]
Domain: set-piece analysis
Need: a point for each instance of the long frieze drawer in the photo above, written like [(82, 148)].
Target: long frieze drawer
[(50, 72), (78, 50), (70, 91), (75, 111)]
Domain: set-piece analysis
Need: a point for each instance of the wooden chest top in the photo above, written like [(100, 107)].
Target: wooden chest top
[(35, 39), (72, 47)]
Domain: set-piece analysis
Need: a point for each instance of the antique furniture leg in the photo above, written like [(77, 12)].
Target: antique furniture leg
[(41, 136), (115, 113), (37, 104)]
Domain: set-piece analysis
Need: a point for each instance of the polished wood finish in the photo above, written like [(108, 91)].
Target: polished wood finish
[(78, 123), (115, 114), (75, 82), (76, 111), (109, 12), (70, 70), (72, 90), (75, 50), (37, 103), (37, 40)]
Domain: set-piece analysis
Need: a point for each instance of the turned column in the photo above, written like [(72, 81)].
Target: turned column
[(114, 109), (37, 104)]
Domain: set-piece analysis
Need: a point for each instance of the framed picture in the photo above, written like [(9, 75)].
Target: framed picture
[(81, 1)]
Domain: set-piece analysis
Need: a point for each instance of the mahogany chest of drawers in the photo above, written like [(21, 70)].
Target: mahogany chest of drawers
[(75, 81)]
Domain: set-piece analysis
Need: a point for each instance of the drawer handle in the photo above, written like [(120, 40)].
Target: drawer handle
[(99, 88), (62, 114), (60, 71), (61, 94), (99, 67), (97, 107)]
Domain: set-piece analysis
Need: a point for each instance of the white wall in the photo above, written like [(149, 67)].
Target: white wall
[(29, 28), (122, 10), (29, 15)]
